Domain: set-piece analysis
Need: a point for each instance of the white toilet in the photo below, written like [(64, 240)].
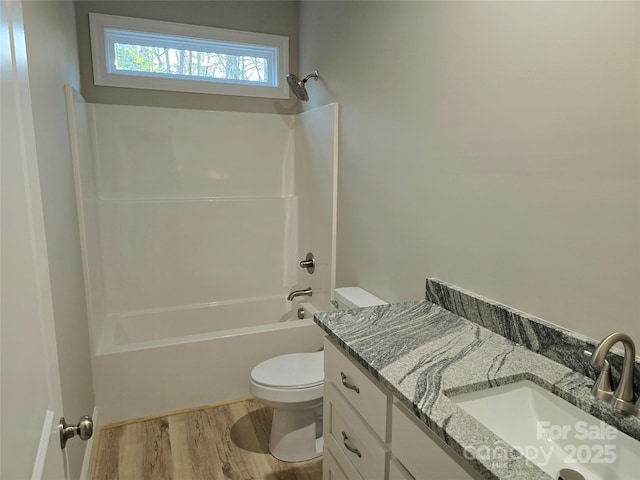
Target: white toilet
[(293, 385)]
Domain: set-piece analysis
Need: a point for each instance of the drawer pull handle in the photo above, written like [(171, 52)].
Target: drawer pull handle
[(349, 447), (347, 384)]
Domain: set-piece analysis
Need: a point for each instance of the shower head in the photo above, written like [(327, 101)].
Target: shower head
[(297, 85)]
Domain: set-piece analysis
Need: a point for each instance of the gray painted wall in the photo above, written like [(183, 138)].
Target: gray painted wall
[(53, 61), (277, 18), (494, 145)]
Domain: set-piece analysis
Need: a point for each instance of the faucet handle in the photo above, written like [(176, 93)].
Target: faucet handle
[(602, 387), (309, 263)]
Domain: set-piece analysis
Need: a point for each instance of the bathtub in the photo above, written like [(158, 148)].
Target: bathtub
[(171, 359)]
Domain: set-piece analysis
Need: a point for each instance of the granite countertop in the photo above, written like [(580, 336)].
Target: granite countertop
[(422, 353)]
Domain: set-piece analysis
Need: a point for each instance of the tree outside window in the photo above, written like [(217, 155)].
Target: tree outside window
[(172, 61)]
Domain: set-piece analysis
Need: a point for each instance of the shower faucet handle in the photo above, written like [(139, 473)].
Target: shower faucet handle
[(309, 263)]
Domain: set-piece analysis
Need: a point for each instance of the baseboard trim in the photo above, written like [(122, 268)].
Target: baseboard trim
[(174, 412)]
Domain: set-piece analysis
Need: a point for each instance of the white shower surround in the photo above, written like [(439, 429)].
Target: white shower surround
[(192, 225)]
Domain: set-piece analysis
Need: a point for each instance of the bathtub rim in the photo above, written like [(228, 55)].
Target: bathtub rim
[(108, 347)]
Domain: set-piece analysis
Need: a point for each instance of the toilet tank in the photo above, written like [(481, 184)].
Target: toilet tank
[(354, 297)]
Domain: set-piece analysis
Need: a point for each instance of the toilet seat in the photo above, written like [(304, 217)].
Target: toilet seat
[(285, 387), (290, 372), (289, 379)]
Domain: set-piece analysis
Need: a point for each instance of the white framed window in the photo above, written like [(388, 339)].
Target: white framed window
[(150, 54)]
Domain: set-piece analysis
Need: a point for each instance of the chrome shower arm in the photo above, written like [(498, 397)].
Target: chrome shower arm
[(313, 75)]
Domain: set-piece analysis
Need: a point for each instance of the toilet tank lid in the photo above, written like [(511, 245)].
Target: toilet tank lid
[(354, 297)]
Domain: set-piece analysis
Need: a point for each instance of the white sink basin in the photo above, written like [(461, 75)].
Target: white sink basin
[(552, 433)]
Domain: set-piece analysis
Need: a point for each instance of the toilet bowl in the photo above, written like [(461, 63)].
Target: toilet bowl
[(293, 386)]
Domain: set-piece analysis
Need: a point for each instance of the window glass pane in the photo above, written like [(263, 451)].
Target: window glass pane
[(190, 63)]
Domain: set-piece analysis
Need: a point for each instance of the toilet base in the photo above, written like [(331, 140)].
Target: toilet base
[(296, 434)]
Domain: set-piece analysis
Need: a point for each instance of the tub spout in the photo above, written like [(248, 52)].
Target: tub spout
[(300, 293)]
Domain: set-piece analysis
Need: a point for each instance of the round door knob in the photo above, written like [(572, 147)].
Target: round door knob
[(85, 427), (84, 430)]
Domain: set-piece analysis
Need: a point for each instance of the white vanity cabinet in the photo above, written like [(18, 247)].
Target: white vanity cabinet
[(368, 435)]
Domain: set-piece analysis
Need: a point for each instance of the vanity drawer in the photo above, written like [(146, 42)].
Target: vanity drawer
[(356, 386), (332, 470), (423, 454), (347, 434)]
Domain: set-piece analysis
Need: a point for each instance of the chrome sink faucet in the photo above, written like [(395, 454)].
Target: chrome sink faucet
[(300, 293), (623, 396)]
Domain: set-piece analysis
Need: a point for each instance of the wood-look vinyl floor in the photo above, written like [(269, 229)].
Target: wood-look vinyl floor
[(223, 442)]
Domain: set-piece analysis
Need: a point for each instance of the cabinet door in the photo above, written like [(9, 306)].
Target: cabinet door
[(425, 456), (398, 472)]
